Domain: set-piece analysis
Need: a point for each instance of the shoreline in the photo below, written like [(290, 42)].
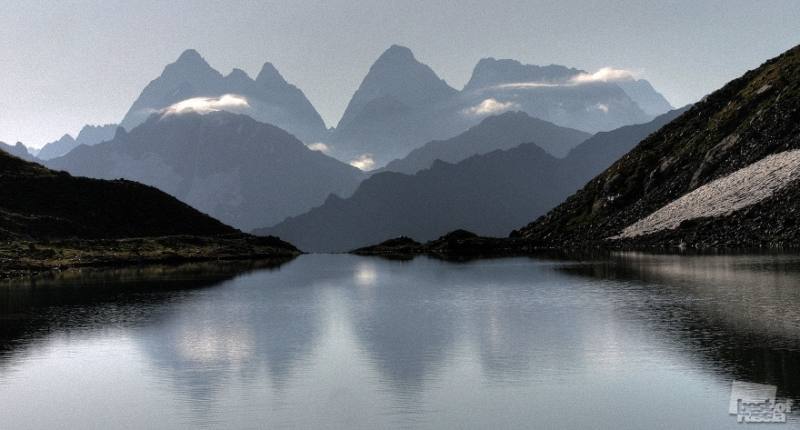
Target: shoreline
[(24, 258)]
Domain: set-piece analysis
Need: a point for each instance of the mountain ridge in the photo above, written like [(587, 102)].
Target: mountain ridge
[(748, 119), (503, 131), (241, 171), (269, 97)]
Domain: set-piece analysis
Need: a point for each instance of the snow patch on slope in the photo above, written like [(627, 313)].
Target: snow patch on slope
[(742, 188)]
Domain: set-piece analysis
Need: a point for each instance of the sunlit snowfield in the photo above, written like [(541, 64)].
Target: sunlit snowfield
[(334, 341)]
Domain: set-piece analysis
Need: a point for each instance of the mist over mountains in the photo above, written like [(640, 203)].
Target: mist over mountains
[(402, 103), (267, 98), (254, 152)]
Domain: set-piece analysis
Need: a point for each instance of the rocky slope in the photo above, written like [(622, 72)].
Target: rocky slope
[(245, 173), (744, 122)]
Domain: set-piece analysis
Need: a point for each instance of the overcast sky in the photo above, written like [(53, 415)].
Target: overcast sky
[(68, 63)]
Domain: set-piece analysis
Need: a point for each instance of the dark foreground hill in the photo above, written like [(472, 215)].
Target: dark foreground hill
[(48, 216), (723, 174)]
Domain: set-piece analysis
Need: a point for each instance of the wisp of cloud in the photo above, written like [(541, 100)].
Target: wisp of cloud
[(490, 106), (203, 105), (363, 162)]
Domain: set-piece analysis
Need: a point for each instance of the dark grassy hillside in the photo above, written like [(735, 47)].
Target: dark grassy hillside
[(748, 119), (38, 203)]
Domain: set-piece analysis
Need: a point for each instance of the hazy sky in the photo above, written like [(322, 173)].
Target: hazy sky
[(68, 63)]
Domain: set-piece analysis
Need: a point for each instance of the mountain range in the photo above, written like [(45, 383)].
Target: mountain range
[(243, 172), (490, 193), (723, 174), (19, 150), (89, 135), (267, 98), (402, 103), (503, 131)]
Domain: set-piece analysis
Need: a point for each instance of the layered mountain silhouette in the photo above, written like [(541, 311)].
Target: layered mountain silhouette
[(39, 203), (268, 98), (19, 150), (723, 174), (487, 194), (238, 170), (89, 135), (402, 104), (598, 152), (503, 131)]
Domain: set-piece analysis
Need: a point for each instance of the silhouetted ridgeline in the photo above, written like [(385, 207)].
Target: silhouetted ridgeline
[(733, 154), (503, 131), (747, 120), (490, 194), (243, 172), (50, 219)]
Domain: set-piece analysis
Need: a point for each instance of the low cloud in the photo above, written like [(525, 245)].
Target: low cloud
[(606, 74), (526, 85), (203, 105), (319, 146), (602, 107), (489, 107), (363, 162)]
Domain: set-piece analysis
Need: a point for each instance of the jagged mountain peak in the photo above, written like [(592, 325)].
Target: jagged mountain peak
[(399, 75), (269, 75), (238, 74), (491, 71), (271, 99), (191, 57), (396, 54)]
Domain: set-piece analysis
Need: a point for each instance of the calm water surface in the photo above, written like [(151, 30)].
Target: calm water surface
[(333, 341)]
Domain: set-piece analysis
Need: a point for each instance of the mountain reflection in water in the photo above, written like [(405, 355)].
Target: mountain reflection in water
[(622, 341)]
